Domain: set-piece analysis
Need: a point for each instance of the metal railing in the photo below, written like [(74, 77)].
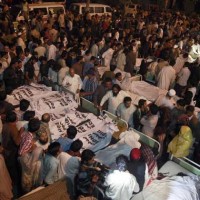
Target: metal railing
[(187, 164)]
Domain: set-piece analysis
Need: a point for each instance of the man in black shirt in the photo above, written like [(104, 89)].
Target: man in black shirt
[(20, 74), (29, 70), (10, 76)]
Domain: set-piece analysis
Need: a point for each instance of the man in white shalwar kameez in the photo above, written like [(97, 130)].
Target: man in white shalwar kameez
[(180, 61), (121, 60), (72, 82), (107, 56), (120, 183), (114, 98), (52, 52), (166, 77), (125, 111)]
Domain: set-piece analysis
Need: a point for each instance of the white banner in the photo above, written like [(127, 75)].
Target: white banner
[(32, 92), (95, 132), (54, 102)]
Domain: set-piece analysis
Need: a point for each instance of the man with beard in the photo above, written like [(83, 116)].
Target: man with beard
[(114, 98), (43, 139)]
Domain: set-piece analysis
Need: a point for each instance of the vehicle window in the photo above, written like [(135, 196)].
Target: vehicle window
[(55, 10), (43, 11), (74, 8), (108, 9), (91, 9), (99, 9)]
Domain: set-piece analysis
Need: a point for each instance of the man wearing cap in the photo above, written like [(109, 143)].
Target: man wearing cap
[(168, 100)]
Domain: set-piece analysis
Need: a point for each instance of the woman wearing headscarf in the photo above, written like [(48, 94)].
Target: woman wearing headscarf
[(138, 167), (181, 144)]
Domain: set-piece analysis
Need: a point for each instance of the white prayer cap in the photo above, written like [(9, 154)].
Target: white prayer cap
[(171, 92)]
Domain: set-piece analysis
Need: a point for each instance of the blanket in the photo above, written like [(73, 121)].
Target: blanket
[(171, 188), (29, 92), (128, 141), (95, 132), (146, 90)]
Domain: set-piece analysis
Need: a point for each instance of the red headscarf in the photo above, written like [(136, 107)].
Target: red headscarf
[(135, 154)]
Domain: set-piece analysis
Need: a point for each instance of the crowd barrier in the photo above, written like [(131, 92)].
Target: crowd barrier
[(116, 119), (89, 106)]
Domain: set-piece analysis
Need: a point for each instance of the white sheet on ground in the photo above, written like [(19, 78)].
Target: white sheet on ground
[(171, 188)]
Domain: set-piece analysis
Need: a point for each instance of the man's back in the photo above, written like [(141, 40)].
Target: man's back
[(121, 185), (166, 77), (68, 166)]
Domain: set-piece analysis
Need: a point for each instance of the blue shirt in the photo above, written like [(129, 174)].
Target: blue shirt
[(50, 169), (65, 143), (87, 66)]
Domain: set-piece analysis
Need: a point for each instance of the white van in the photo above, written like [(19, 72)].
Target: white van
[(45, 8), (94, 9), (132, 8)]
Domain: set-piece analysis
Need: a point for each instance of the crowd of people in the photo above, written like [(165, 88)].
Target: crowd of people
[(68, 50)]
